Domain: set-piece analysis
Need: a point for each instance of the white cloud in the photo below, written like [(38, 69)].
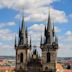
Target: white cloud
[(65, 46), (35, 31), (36, 9), (5, 46), (6, 34), (65, 50), (57, 29), (68, 33), (7, 50), (7, 24), (39, 27), (11, 23), (24, 3), (41, 14), (67, 37)]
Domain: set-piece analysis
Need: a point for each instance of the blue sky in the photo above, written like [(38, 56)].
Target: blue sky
[(36, 14)]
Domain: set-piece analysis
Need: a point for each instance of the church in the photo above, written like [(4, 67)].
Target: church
[(26, 61)]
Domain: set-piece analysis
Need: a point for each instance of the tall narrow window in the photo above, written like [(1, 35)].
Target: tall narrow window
[(46, 69), (48, 57), (21, 57)]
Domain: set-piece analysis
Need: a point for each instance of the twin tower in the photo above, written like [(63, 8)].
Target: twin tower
[(28, 61)]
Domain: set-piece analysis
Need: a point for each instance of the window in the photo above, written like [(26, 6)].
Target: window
[(21, 57), (46, 68), (48, 57)]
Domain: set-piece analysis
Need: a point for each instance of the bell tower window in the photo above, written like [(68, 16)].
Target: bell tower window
[(48, 57), (21, 57)]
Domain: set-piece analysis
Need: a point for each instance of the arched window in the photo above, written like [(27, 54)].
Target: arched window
[(46, 68), (21, 57), (48, 57)]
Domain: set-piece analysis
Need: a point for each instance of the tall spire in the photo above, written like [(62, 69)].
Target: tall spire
[(19, 31), (26, 35), (45, 31), (30, 42), (53, 31), (56, 40), (22, 34), (41, 41), (49, 31), (15, 41), (49, 23), (22, 26)]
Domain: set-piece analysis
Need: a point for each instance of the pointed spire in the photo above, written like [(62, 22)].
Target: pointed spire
[(22, 26), (30, 43), (22, 34), (26, 35), (26, 31), (22, 22), (41, 41), (49, 31), (53, 31), (19, 31), (56, 40), (15, 41), (49, 23), (45, 31), (35, 52)]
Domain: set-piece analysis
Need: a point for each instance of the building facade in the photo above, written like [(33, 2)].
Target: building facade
[(26, 61)]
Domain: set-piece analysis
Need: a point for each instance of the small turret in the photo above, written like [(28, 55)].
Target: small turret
[(56, 40), (30, 43), (15, 42), (26, 36), (19, 32), (45, 31), (41, 41), (53, 31)]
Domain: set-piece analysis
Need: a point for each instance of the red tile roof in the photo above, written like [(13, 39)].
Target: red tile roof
[(66, 70)]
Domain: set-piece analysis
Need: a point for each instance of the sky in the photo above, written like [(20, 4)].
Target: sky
[(36, 15)]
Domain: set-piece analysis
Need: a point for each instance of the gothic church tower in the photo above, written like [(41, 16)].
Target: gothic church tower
[(49, 48), (22, 49)]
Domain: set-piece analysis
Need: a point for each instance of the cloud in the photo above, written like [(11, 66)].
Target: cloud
[(11, 23), (24, 3), (57, 29), (6, 34), (65, 44), (35, 31), (7, 24), (37, 9), (41, 14), (7, 50), (70, 15), (5, 46), (39, 27), (67, 37)]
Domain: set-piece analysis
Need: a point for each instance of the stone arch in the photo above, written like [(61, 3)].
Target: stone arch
[(21, 57)]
